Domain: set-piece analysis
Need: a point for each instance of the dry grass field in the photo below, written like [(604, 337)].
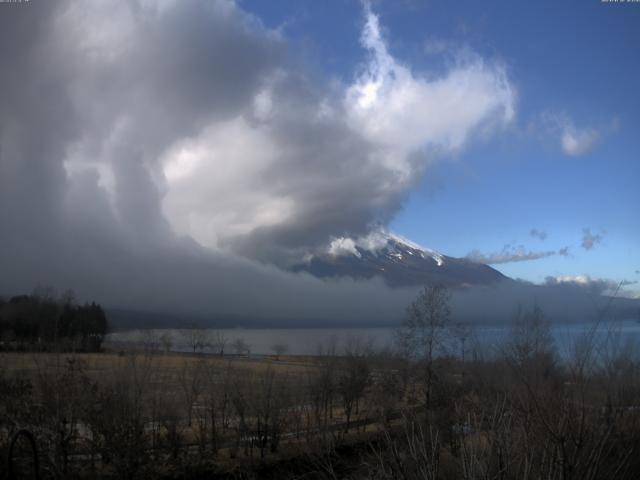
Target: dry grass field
[(97, 365), (170, 372)]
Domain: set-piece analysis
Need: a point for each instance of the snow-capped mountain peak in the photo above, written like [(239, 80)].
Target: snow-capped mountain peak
[(381, 241), (414, 248), (400, 262)]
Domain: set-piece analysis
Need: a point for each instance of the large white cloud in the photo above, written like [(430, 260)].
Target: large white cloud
[(305, 162), (402, 111)]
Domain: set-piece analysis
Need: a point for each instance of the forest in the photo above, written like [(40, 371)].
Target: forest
[(41, 321)]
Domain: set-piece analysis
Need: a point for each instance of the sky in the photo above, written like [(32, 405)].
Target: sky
[(575, 69), (184, 155)]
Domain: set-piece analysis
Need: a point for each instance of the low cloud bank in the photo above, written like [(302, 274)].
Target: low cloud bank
[(560, 299)]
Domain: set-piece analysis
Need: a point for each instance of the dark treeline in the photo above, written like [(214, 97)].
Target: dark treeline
[(44, 321)]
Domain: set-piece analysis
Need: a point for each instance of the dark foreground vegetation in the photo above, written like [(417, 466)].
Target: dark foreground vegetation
[(436, 408)]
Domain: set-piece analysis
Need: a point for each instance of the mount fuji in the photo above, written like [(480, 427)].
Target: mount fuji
[(399, 262)]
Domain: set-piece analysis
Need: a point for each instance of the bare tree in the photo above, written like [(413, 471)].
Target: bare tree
[(279, 349), (197, 339), (462, 334), (322, 384), (150, 341), (167, 342), (424, 330), (240, 346), (530, 334), (216, 400), (530, 346), (191, 380), (117, 418), (266, 408), (354, 376), (64, 391), (219, 342), (241, 392)]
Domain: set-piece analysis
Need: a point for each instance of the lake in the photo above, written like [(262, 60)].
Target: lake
[(307, 341)]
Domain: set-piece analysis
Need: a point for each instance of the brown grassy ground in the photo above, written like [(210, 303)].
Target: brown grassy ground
[(96, 365), (166, 374)]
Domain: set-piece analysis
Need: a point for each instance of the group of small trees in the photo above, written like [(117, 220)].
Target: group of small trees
[(520, 411), (142, 417), (200, 339)]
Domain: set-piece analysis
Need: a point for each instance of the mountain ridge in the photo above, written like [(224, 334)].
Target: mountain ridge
[(400, 263)]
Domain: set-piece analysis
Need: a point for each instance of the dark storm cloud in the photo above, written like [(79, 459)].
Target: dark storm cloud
[(72, 89)]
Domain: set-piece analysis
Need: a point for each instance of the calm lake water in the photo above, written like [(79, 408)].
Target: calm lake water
[(307, 341)]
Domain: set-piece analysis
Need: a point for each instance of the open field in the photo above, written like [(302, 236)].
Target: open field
[(102, 365)]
